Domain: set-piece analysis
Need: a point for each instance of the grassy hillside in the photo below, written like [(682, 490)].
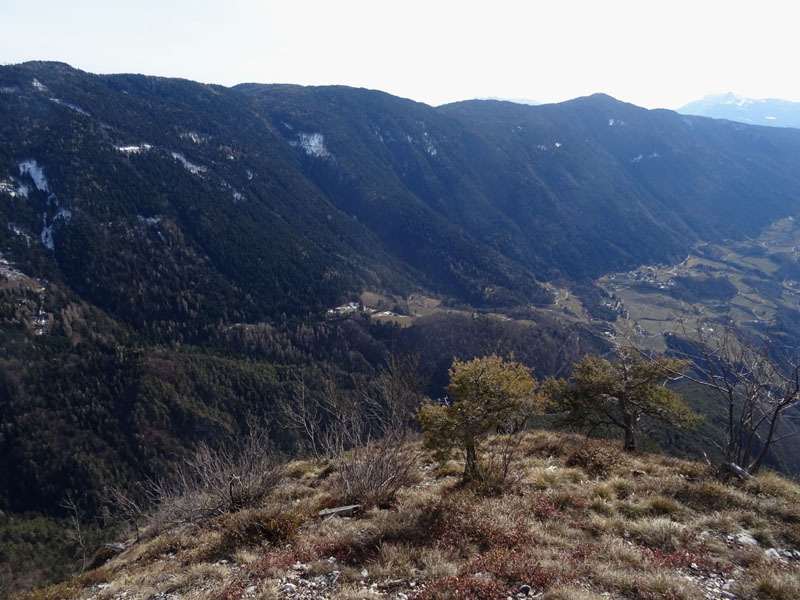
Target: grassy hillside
[(578, 520)]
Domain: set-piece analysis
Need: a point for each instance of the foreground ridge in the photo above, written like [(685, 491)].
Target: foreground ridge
[(579, 519)]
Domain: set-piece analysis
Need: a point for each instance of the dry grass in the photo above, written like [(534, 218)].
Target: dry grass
[(572, 593), (770, 582), (585, 522), (660, 533), (196, 576)]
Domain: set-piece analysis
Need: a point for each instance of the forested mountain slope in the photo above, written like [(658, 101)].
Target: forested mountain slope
[(170, 200), (169, 249)]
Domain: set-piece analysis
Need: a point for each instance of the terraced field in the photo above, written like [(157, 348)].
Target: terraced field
[(753, 283)]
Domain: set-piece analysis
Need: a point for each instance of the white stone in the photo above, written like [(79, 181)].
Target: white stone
[(773, 554), (746, 539)]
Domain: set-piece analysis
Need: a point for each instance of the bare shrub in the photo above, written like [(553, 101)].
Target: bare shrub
[(212, 482), (362, 429), (373, 473)]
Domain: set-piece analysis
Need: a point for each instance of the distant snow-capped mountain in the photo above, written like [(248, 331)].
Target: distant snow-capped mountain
[(769, 111)]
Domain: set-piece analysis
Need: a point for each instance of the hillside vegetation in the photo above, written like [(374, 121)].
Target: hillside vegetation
[(181, 261), (579, 520)]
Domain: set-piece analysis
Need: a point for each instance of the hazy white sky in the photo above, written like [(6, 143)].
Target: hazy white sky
[(652, 53)]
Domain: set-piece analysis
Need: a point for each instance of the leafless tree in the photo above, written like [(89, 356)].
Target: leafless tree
[(334, 418), (76, 534), (209, 483), (761, 393), (125, 507), (395, 395), (305, 413), (361, 428)]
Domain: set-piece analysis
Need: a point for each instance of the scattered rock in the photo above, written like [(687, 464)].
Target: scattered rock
[(638, 473), (773, 554), (745, 539), (736, 470), (116, 547), (340, 511), (526, 590), (390, 584), (288, 588)]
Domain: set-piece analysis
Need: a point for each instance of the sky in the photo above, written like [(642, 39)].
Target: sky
[(654, 53)]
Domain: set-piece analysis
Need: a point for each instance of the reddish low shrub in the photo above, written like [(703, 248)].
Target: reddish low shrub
[(464, 588)]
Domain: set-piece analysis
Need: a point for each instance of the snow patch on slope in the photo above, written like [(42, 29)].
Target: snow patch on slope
[(641, 157), (77, 109), (428, 143), (31, 168), (194, 137), (189, 166), (14, 188), (149, 221), (64, 215), (313, 144), (18, 231), (237, 195), (133, 149), (146, 223), (39, 85)]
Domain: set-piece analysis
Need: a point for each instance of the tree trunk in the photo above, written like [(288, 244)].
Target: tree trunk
[(630, 440), (471, 468), (629, 428)]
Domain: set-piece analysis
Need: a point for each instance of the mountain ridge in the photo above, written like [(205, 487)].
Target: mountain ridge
[(170, 249), (438, 187), (770, 112)]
